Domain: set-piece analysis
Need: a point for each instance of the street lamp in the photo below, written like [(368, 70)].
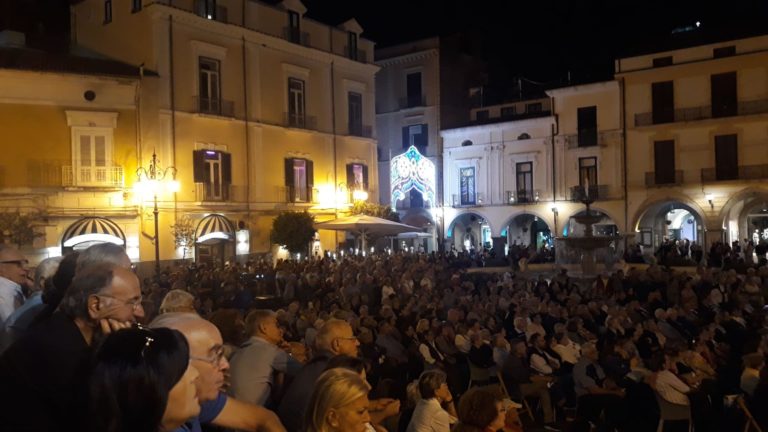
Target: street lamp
[(150, 180)]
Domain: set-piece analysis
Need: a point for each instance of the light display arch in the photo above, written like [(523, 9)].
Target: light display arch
[(412, 170)]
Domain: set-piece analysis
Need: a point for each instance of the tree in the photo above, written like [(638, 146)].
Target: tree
[(293, 231), (19, 228), (377, 210), (183, 235)]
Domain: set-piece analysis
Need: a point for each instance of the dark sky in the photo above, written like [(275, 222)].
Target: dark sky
[(544, 39)]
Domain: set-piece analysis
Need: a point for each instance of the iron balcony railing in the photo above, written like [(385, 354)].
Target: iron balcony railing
[(299, 194), (745, 172), (88, 175), (356, 55), (218, 107), (596, 193), (413, 101), (295, 35), (301, 121), (658, 179), (219, 192), (592, 138), (701, 113), (472, 200), (523, 196)]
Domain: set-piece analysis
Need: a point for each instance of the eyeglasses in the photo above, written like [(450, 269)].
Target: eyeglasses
[(215, 360), (134, 304)]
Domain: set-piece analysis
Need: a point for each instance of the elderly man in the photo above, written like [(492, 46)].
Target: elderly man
[(334, 338), (257, 360), (206, 350), (43, 373), (14, 278)]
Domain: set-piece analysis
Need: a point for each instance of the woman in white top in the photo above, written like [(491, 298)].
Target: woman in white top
[(671, 388), (435, 412)]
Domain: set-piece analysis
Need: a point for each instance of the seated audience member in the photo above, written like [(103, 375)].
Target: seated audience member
[(569, 350), (177, 301), (481, 409), (671, 388), (522, 381), (750, 377), (207, 357), (338, 403), (596, 394), (435, 412), (43, 373), (541, 361), (142, 381), (254, 365), (412, 398)]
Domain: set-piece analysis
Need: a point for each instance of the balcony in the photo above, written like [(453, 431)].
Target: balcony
[(299, 121), (211, 192), (217, 107), (470, 201), (79, 175), (602, 139), (356, 55), (596, 193), (298, 195), (295, 35), (745, 172), (701, 113), (413, 101), (359, 130), (654, 179), (522, 197)]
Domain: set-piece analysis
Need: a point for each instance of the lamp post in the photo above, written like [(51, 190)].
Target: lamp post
[(149, 180)]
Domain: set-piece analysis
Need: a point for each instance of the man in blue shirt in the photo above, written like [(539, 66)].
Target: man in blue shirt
[(206, 352)]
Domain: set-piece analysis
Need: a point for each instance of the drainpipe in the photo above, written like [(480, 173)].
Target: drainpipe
[(247, 134), (622, 106), (554, 168), (172, 90), (333, 135)]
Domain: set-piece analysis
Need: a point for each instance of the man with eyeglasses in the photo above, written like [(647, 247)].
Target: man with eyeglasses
[(14, 279), (206, 349)]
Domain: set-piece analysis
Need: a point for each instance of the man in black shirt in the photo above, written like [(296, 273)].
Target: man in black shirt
[(522, 382)]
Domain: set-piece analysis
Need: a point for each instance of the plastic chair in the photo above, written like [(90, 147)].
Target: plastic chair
[(526, 408), (672, 412), (751, 422), (478, 375)]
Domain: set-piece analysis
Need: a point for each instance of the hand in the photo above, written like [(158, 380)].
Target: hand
[(392, 409), (109, 325), (379, 404), (271, 423)]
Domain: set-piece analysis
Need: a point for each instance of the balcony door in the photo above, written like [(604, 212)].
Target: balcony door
[(663, 100), (664, 161), (726, 157), (524, 174), (92, 161), (296, 102), (724, 95), (210, 86)]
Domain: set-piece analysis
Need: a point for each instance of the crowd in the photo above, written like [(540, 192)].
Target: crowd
[(401, 342)]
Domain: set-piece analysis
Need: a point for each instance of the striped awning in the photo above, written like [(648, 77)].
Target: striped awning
[(214, 227), (93, 228)]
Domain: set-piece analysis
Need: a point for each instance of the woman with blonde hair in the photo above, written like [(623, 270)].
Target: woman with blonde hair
[(339, 403)]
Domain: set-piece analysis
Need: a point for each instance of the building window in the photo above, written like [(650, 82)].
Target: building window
[(294, 27), (588, 173), (213, 170), (726, 157), (481, 115), (524, 175), (299, 179), (210, 86), (296, 117), (136, 6), (662, 61), (508, 112), (92, 161), (533, 108), (467, 186), (206, 8), (413, 89), (664, 162), (107, 11), (724, 92), (416, 135), (663, 102), (725, 51), (357, 176), (355, 106), (587, 126), (352, 45)]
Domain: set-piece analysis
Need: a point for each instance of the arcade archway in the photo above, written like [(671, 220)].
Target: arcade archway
[(469, 232), (669, 221)]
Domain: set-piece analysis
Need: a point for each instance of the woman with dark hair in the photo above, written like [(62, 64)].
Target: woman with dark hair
[(481, 409), (142, 382)]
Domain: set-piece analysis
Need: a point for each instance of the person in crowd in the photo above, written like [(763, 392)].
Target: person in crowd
[(569, 351), (481, 409), (540, 360), (254, 365), (22, 318), (435, 412), (750, 377), (142, 381), (522, 381), (231, 325), (597, 395), (177, 301), (334, 338), (338, 403), (43, 372), (207, 357), (14, 279)]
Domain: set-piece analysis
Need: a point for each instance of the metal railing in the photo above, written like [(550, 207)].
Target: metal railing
[(651, 180), (360, 130), (473, 200), (299, 194), (217, 107), (413, 101), (523, 196), (700, 113), (596, 192), (295, 35), (745, 172), (219, 192), (356, 55), (93, 176), (602, 139), (299, 121)]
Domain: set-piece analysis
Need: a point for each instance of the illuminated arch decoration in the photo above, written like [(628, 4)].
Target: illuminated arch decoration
[(411, 170)]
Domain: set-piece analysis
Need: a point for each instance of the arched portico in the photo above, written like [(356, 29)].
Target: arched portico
[(468, 231)]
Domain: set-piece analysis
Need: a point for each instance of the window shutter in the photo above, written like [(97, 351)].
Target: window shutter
[(226, 168), (422, 140), (198, 166), (365, 177), (350, 176), (310, 175), (289, 172), (406, 137)]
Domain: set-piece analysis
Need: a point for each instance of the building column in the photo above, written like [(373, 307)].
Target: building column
[(498, 246)]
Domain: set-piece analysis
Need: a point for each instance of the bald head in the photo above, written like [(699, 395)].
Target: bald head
[(336, 336), (103, 253)]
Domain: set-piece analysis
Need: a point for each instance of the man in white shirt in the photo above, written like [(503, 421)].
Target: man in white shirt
[(14, 277), (569, 350)]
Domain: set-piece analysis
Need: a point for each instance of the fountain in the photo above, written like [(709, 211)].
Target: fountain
[(583, 248)]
